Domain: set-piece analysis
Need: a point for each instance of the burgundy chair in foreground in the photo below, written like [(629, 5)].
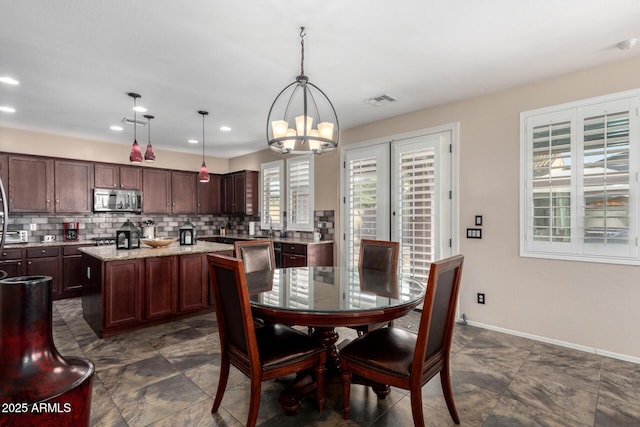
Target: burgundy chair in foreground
[(406, 360), (269, 352)]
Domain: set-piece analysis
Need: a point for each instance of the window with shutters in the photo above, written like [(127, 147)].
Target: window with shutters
[(579, 186), (293, 195), (300, 193), (272, 195)]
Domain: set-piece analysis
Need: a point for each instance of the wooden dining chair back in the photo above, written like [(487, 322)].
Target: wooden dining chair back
[(256, 255), (380, 255), (270, 352), (402, 359)]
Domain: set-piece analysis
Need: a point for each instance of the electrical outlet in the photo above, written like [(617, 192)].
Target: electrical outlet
[(480, 298), (33, 227)]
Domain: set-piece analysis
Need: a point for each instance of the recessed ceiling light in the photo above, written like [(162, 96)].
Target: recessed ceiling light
[(8, 80), (627, 44), (225, 128), (116, 128), (140, 109), (6, 109), (193, 141)]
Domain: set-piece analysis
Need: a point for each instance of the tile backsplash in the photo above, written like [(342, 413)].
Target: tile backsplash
[(105, 225)]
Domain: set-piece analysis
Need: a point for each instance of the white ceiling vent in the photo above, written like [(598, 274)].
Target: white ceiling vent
[(381, 100), (129, 121)]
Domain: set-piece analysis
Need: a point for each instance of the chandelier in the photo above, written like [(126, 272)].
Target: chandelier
[(136, 155), (302, 118)]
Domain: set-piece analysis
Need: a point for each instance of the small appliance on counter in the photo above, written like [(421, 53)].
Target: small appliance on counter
[(71, 231), (187, 234), (48, 238), (20, 236)]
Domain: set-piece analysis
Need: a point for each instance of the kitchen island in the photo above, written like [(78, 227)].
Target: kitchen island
[(130, 289)]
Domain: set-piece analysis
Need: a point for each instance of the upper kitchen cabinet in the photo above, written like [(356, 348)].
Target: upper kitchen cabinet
[(209, 195), (168, 192), (31, 184), (156, 187), (115, 176), (4, 170), (73, 184), (183, 192), (240, 193)]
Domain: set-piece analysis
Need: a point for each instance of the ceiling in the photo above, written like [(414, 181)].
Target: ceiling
[(77, 59)]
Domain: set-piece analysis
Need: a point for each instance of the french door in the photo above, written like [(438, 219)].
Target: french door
[(401, 191)]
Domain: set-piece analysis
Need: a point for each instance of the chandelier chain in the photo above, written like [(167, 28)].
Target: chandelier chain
[(302, 34)]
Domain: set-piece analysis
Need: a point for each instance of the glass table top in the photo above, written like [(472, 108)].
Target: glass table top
[(331, 289)]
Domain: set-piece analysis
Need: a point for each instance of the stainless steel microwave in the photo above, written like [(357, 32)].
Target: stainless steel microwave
[(110, 200)]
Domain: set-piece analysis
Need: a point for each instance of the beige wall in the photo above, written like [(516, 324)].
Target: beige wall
[(43, 144), (583, 304)]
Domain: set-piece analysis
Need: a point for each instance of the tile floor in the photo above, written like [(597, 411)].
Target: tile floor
[(167, 375)]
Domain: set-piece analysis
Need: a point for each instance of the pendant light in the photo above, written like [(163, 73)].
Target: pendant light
[(149, 155), (136, 155), (295, 111), (203, 176)]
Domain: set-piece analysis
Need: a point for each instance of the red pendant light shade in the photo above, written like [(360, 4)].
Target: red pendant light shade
[(149, 155), (136, 154), (203, 176)]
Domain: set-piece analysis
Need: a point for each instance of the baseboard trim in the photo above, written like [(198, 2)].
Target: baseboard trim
[(560, 343)]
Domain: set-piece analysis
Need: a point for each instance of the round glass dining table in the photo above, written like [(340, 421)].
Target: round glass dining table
[(323, 298), (331, 296)]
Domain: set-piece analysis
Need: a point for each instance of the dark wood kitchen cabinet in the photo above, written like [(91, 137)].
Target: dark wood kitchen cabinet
[(45, 262), (194, 282), (31, 184), (169, 191), (122, 292), (303, 255), (160, 291), (4, 170), (115, 176), (210, 195), (12, 261), (72, 275), (73, 184), (156, 185), (183, 192), (240, 193)]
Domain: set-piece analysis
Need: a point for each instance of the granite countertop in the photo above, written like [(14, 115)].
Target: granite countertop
[(48, 244), (300, 240), (110, 253)]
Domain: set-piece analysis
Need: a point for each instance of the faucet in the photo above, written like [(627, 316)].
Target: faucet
[(270, 226)]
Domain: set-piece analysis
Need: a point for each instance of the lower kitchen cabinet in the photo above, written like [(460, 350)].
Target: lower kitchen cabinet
[(161, 294), (122, 292), (45, 262), (11, 261), (123, 295), (72, 275), (194, 283), (303, 255)]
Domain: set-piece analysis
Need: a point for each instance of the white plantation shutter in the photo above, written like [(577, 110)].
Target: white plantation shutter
[(367, 198), (300, 193), (579, 195), (272, 195), (416, 200)]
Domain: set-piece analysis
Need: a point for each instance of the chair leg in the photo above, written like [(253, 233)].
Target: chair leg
[(346, 389), (254, 401), (445, 380), (222, 384), (416, 407), (320, 380)]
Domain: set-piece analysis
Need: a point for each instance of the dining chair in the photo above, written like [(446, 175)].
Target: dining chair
[(406, 360), (265, 353), (255, 254), (378, 255)]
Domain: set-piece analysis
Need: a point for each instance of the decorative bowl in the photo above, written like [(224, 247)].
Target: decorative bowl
[(159, 241)]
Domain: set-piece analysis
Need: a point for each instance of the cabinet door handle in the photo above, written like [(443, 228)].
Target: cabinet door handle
[(29, 263), (44, 250)]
